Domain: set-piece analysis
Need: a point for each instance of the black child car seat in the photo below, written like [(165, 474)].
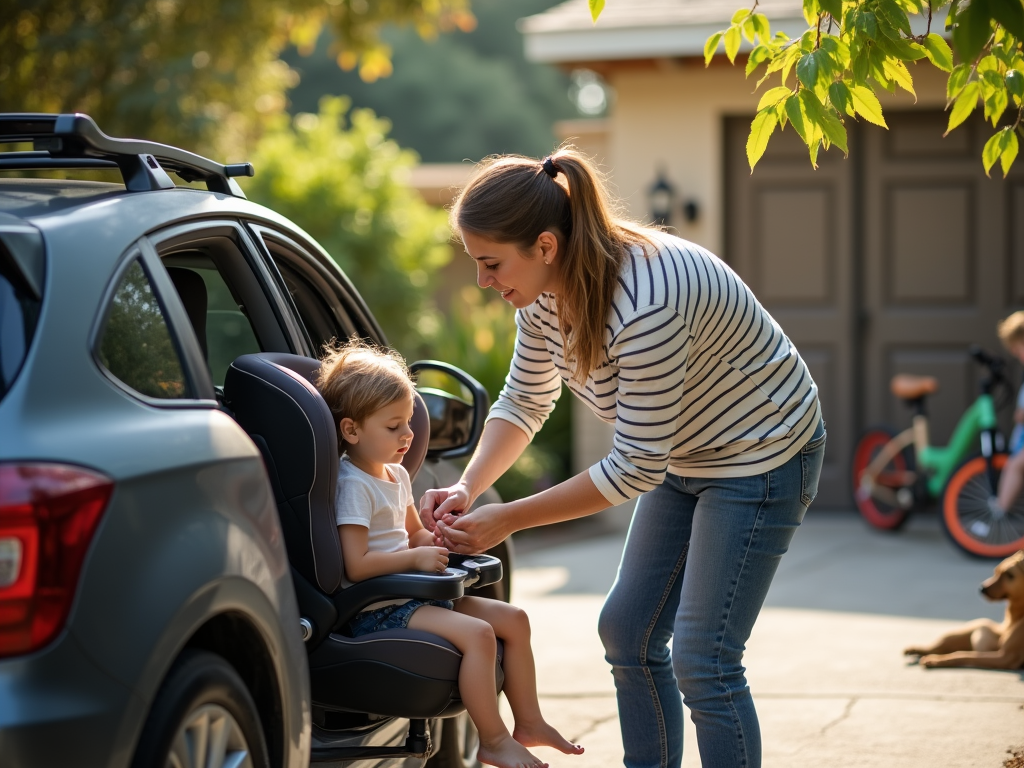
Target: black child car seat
[(403, 672)]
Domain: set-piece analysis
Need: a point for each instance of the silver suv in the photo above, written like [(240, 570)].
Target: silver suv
[(148, 605)]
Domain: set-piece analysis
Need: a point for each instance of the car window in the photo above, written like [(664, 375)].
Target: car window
[(135, 345), (19, 311), (321, 323)]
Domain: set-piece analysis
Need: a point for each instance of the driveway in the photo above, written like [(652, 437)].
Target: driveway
[(825, 662)]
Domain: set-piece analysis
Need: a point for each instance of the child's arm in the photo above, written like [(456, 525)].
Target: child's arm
[(418, 535), (362, 564)]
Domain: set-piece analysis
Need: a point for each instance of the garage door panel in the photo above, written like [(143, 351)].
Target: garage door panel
[(794, 264), (929, 244)]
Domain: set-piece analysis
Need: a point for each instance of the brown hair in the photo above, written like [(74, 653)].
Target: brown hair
[(1011, 330), (357, 379), (512, 199)]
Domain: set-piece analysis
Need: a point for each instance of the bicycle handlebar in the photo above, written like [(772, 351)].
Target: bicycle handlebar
[(994, 363)]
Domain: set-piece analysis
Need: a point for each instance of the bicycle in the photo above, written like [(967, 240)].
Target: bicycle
[(893, 474)]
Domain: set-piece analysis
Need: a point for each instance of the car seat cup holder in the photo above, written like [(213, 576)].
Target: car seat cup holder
[(480, 570)]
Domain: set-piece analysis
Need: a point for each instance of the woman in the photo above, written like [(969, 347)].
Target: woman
[(718, 431)]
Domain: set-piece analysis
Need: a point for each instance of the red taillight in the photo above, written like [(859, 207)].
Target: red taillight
[(48, 514)]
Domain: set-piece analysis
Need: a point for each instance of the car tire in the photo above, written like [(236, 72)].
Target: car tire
[(460, 744), (203, 715)]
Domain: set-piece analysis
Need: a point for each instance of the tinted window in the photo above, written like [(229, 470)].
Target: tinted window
[(136, 345), (18, 314), (322, 324)]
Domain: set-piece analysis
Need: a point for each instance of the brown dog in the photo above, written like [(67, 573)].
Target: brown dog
[(984, 643)]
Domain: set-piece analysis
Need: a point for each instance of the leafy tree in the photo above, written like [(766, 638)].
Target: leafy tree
[(344, 182), (461, 96), (196, 74), (853, 49)]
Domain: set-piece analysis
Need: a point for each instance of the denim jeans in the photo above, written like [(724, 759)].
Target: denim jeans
[(698, 561)]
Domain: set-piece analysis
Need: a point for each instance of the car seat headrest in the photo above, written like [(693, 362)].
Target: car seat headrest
[(191, 289)]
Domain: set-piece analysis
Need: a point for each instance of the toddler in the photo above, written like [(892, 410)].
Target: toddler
[(1011, 333), (370, 394)]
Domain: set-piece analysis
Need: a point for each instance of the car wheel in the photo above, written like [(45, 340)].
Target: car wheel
[(460, 744), (202, 717)]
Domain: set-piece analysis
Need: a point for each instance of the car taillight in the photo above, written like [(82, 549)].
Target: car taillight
[(48, 514)]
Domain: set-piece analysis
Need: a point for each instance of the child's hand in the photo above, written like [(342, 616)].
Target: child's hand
[(430, 559), (1018, 415)]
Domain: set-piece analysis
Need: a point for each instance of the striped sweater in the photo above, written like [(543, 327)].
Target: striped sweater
[(698, 379)]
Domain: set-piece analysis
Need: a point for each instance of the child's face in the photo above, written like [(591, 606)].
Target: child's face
[(383, 437)]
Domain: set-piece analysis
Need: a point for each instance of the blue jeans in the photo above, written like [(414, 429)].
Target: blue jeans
[(698, 561)]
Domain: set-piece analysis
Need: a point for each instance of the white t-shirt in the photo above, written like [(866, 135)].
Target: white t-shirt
[(375, 504)]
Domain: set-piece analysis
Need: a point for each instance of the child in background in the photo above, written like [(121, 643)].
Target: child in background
[(1011, 333), (370, 394)]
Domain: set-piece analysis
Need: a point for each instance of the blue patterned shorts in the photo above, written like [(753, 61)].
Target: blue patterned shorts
[(390, 617)]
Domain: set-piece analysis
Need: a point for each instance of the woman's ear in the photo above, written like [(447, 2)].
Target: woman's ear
[(348, 431), (547, 244)]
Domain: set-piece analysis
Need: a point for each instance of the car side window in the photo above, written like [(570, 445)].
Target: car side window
[(135, 346)]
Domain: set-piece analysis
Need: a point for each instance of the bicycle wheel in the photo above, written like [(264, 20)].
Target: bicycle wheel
[(878, 513), (971, 520)]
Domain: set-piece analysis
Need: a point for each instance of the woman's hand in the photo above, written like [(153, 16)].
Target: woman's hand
[(438, 502), (430, 559), (475, 531)]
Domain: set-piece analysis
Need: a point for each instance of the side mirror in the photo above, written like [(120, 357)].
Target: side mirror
[(457, 405)]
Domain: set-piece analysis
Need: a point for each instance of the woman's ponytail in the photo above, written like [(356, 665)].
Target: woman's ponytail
[(513, 199)]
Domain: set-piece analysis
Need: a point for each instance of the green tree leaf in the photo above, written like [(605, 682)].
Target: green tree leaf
[(867, 105), (1015, 85), (773, 96), (964, 105), (748, 29), (939, 52), (757, 57), (807, 70), (824, 119), (841, 98), (596, 6), (796, 111), (762, 27), (899, 73), (972, 29), (993, 149), (761, 130), (995, 104), (832, 7), (957, 80), (733, 38), (1009, 13), (1009, 152), (739, 16), (710, 46), (811, 10), (896, 16)]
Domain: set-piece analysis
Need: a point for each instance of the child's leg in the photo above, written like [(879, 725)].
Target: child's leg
[(475, 639), (1011, 480), (512, 625)]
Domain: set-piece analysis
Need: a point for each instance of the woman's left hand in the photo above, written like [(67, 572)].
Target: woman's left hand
[(475, 531)]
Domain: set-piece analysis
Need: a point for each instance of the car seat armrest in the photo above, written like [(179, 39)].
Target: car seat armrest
[(482, 569), (421, 586)]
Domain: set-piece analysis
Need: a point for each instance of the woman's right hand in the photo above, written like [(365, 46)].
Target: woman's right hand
[(438, 502)]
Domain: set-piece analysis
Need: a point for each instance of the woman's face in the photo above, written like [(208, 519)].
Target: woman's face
[(520, 279)]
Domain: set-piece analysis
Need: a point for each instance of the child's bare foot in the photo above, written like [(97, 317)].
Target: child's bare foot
[(508, 753), (543, 735)]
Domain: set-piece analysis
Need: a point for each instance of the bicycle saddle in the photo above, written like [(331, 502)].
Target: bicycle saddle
[(906, 386)]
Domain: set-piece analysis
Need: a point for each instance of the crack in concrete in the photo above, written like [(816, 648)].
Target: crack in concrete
[(846, 713), (594, 725)]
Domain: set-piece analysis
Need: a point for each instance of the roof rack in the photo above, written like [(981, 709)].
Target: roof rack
[(75, 141)]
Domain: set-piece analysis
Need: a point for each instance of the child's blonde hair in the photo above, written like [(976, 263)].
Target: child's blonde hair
[(357, 379), (1011, 330)]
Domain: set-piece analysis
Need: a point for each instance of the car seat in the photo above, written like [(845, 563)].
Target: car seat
[(403, 672)]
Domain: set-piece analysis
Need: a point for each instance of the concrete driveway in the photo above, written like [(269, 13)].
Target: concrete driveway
[(825, 660)]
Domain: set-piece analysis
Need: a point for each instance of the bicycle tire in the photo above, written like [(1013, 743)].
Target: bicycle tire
[(875, 512), (968, 518)]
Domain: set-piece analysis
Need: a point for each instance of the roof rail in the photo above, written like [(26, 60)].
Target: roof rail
[(75, 141)]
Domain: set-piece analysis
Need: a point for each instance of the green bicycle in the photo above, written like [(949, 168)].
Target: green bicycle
[(895, 473)]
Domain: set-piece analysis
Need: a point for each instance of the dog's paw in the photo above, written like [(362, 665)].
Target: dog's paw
[(931, 661), (913, 650)]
